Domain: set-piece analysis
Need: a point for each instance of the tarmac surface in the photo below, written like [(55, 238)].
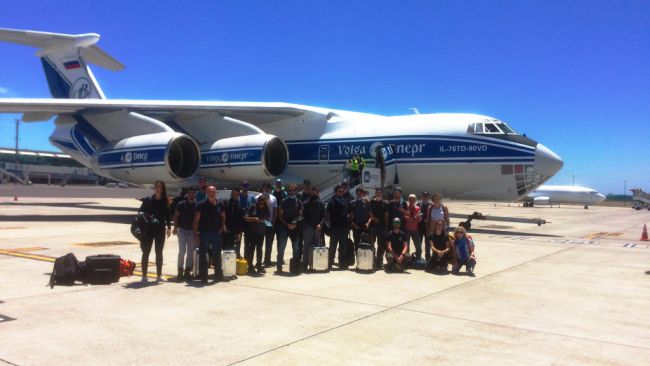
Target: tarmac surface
[(572, 291)]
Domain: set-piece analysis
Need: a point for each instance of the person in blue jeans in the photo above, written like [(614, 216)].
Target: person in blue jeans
[(209, 221), (289, 212), (464, 252)]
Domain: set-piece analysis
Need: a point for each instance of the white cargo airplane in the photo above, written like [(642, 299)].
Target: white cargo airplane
[(552, 195), (464, 156)]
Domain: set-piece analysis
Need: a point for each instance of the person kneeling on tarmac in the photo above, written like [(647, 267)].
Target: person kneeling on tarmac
[(464, 249), (397, 257), (442, 248)]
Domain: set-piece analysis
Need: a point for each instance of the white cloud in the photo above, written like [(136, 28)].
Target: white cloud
[(6, 92)]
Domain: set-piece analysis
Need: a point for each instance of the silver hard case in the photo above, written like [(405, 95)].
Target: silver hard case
[(320, 259)]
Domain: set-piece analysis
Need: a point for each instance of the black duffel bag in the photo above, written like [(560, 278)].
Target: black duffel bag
[(65, 271), (140, 226)]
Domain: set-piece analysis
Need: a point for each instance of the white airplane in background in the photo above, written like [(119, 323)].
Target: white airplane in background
[(551, 195), (465, 156)]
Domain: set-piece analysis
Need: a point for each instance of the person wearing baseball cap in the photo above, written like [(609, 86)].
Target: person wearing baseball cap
[(397, 257)]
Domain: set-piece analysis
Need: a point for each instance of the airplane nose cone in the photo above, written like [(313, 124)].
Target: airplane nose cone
[(546, 161)]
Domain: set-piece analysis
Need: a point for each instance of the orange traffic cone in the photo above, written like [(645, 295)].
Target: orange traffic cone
[(644, 234)]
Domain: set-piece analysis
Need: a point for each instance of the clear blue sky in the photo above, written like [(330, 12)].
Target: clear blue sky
[(574, 75)]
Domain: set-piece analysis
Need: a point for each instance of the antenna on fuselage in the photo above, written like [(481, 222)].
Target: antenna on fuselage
[(415, 110)]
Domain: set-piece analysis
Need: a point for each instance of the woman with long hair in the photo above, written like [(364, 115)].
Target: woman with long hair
[(464, 252), (156, 208), (257, 218)]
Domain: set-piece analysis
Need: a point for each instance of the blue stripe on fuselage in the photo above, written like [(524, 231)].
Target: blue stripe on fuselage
[(410, 149)]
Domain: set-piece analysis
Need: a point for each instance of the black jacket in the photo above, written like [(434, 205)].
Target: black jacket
[(313, 213)]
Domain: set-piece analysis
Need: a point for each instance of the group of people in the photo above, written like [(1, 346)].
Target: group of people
[(282, 213)]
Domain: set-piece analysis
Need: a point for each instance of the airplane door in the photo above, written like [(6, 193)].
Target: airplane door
[(324, 154), (387, 165)]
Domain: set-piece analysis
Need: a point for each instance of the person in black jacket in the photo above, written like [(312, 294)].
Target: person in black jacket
[(338, 212), (156, 208), (289, 214), (313, 220), (183, 221), (234, 222)]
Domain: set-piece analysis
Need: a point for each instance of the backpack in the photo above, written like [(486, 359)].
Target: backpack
[(140, 226), (126, 267), (65, 272)]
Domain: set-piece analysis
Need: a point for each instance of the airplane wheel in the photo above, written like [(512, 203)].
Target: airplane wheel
[(586, 207), (532, 204), (525, 204)]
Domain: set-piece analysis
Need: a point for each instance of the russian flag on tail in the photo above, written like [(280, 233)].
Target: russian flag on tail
[(70, 65)]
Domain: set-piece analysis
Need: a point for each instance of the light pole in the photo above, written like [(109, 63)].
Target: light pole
[(624, 191), (16, 167)]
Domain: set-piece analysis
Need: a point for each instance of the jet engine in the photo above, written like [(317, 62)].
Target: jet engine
[(252, 157), (143, 159)]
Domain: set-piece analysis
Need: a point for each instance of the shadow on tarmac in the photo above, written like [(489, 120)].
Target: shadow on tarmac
[(516, 233), (111, 218), (140, 285), (89, 205)]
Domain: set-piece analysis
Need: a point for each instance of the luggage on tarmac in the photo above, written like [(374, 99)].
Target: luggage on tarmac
[(242, 267), (126, 267), (365, 257), (320, 259), (195, 263), (102, 269), (65, 271), (229, 263), (140, 226), (294, 266)]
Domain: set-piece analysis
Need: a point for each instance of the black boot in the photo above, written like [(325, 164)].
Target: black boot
[(180, 276), (188, 274)]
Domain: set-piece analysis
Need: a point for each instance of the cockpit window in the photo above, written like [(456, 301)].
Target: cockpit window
[(478, 128), (506, 128), (492, 128)]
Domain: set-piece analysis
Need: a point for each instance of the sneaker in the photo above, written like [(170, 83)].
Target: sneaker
[(261, 269), (187, 275), (159, 279), (144, 279), (180, 277), (279, 269), (251, 271)]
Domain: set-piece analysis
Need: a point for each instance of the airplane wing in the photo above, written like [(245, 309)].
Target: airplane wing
[(36, 109)]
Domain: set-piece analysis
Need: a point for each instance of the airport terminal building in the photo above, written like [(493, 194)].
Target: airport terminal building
[(33, 166)]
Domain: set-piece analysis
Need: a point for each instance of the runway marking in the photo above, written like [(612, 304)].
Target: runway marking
[(571, 241), (27, 249), (104, 244), (561, 241), (603, 235), (629, 245), (47, 258)]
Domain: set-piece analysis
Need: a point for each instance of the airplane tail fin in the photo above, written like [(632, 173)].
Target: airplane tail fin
[(65, 58)]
